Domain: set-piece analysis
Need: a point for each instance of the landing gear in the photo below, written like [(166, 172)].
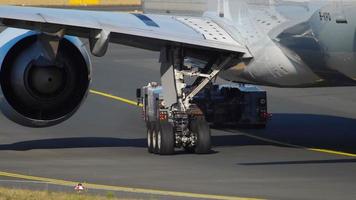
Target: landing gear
[(173, 120)]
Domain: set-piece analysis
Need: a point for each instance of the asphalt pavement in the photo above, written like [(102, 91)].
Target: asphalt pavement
[(306, 152)]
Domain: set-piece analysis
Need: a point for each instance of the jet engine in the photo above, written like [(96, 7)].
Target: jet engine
[(44, 79)]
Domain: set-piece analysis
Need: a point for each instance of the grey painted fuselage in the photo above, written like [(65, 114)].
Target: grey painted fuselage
[(294, 43)]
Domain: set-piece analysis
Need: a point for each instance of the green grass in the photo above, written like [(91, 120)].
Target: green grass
[(20, 194)]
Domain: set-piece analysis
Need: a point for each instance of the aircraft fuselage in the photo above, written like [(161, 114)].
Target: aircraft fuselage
[(294, 43)]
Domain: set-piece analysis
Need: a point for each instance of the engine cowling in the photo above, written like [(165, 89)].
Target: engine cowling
[(37, 89)]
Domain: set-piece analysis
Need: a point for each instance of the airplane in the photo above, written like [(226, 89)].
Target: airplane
[(46, 70)]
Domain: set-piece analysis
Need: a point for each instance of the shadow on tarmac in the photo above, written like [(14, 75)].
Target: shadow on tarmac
[(97, 142), (75, 142), (312, 131)]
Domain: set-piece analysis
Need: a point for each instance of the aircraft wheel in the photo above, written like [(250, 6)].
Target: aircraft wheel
[(165, 139), (201, 128), (154, 138), (150, 132)]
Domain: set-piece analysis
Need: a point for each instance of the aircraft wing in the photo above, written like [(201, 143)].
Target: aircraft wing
[(134, 29)]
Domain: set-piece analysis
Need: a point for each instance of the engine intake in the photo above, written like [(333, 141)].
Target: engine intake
[(37, 89)]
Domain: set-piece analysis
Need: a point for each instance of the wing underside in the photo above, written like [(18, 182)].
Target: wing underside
[(134, 29)]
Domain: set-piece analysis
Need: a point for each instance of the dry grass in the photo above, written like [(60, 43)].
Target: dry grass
[(18, 194)]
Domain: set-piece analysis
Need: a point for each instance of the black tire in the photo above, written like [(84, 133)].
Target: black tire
[(201, 128), (154, 137), (165, 138), (150, 132)]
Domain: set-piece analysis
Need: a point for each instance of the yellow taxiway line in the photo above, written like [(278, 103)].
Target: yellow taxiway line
[(124, 189), (134, 103), (248, 135), (340, 153), (327, 151)]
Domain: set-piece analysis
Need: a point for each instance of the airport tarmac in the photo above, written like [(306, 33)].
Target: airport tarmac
[(307, 151)]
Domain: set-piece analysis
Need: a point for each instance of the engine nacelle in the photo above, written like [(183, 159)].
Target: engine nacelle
[(37, 89)]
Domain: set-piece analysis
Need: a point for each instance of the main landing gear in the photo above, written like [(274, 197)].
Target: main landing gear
[(173, 120)]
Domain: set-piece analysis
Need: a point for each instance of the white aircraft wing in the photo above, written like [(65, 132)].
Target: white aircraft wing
[(133, 29)]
